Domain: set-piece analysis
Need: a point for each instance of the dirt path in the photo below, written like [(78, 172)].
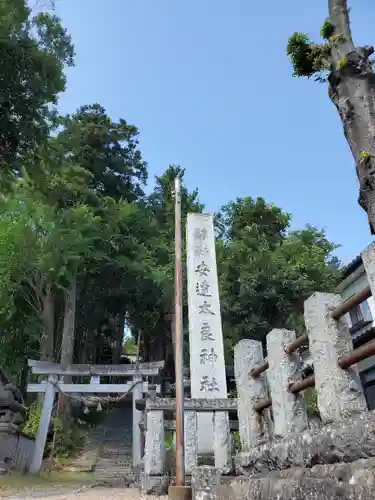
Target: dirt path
[(99, 493)]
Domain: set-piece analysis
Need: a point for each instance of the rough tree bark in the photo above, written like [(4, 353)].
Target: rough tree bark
[(48, 316), (119, 338), (68, 337), (352, 90)]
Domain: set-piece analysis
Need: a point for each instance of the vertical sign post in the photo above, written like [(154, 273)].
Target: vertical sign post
[(207, 365), (179, 343)]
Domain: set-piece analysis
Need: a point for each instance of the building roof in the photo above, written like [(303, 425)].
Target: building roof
[(351, 267)]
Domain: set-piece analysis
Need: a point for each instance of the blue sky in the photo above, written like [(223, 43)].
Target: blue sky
[(209, 86)]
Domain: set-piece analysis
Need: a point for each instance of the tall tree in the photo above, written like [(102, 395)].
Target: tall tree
[(351, 87), (106, 149), (35, 49), (265, 270)]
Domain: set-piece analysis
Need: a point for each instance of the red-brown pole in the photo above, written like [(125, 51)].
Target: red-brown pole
[(353, 301), (179, 341), (358, 355), (258, 370), (302, 384), (296, 344)]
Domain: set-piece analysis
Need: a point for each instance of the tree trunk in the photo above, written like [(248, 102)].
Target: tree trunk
[(119, 338), (68, 337), (91, 346), (48, 317), (352, 90)]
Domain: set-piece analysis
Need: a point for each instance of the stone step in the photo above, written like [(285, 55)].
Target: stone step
[(115, 458), (111, 474)]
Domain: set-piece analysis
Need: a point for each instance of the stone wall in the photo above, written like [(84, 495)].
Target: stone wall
[(15, 448)]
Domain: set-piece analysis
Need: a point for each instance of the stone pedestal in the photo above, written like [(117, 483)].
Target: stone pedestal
[(191, 441), (346, 441), (338, 393), (204, 482), (222, 442), (289, 412), (154, 458)]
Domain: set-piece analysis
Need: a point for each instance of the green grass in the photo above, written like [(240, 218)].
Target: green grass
[(15, 482), (168, 440)]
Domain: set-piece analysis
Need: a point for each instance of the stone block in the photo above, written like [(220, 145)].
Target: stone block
[(156, 485), (345, 441), (303, 489), (360, 472), (208, 405), (204, 481)]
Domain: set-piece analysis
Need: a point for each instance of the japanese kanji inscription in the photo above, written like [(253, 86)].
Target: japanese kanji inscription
[(207, 365)]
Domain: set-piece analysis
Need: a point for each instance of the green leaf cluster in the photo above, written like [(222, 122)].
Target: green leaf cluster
[(266, 270), (35, 50), (327, 30), (307, 58)]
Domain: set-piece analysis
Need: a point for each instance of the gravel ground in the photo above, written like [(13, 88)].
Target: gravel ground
[(99, 493)]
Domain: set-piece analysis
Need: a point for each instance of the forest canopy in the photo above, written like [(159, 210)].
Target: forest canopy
[(85, 253)]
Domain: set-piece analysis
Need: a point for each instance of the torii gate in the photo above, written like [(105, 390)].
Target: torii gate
[(54, 384)]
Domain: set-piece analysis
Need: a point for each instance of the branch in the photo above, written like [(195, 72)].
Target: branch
[(339, 17)]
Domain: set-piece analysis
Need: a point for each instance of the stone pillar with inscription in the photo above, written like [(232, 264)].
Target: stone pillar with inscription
[(207, 365)]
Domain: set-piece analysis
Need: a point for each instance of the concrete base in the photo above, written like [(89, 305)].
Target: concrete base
[(287, 489), (179, 493), (206, 459), (157, 485), (204, 482)]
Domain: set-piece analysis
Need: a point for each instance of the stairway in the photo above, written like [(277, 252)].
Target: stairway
[(86, 461), (108, 448), (115, 456)]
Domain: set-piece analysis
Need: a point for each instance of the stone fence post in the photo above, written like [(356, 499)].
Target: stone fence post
[(154, 458), (253, 428), (289, 410), (368, 259), (222, 442), (339, 395), (191, 441)]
